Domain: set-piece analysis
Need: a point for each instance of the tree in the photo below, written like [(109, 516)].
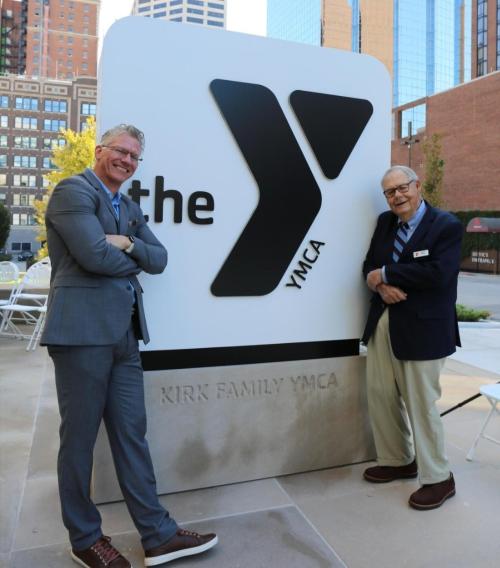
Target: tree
[(434, 170), (70, 159), (4, 225)]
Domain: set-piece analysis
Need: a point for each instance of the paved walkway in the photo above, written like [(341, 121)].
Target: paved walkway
[(329, 518)]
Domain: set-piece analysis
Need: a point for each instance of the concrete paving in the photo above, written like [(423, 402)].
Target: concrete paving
[(327, 518)]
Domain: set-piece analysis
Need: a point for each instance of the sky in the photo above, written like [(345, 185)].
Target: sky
[(247, 16)]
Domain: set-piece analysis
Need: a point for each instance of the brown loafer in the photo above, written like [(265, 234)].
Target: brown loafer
[(386, 473), (102, 554), (183, 543), (433, 496)]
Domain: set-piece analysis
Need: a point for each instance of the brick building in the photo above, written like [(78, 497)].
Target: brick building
[(31, 113), (468, 118)]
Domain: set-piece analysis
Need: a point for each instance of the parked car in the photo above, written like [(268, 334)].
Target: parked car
[(25, 255)]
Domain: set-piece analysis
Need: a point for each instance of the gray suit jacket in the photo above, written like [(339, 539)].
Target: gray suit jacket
[(91, 299)]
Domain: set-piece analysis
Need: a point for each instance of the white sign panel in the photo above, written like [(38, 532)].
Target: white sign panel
[(261, 177)]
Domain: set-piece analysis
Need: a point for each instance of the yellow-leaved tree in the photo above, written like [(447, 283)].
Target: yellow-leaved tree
[(70, 159)]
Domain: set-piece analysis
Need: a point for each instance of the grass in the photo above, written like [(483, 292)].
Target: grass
[(464, 313)]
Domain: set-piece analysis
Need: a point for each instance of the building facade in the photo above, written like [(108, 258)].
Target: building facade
[(466, 117), (54, 39), (202, 12), (485, 37), (13, 30), (295, 20), (425, 45), (32, 111)]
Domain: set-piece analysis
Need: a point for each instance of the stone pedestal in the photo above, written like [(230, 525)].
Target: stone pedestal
[(219, 425)]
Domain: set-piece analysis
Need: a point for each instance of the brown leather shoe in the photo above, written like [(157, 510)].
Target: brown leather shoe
[(386, 473), (434, 495), (102, 554), (183, 543)]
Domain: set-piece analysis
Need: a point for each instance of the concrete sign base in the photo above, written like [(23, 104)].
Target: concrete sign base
[(220, 425)]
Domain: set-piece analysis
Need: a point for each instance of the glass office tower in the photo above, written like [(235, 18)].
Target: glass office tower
[(425, 44), (295, 20)]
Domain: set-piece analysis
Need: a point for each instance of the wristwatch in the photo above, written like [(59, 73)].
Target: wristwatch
[(132, 244)]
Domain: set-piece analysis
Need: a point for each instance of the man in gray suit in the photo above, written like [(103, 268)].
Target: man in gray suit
[(98, 243)]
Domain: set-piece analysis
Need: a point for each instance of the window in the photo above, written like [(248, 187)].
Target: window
[(195, 11), (26, 142), (88, 108), (53, 125), (23, 199), (26, 103), (24, 180), (176, 11), (175, 2), (24, 161), (3, 141), (86, 7), (48, 164), (25, 122), (214, 23), (214, 5), (85, 55), (85, 66), (70, 40), (51, 143), (195, 20), (55, 106), (195, 2), (216, 14), (144, 9), (22, 219), (4, 121), (3, 160), (4, 101), (3, 179), (160, 14)]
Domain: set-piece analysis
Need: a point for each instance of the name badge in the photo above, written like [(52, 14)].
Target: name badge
[(419, 253)]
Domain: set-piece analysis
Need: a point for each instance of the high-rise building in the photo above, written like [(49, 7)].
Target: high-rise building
[(31, 113), (485, 37), (13, 19), (204, 12), (55, 39), (425, 45), (295, 20)]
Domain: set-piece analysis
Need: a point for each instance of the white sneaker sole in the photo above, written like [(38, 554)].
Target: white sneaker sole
[(81, 562), (164, 558)]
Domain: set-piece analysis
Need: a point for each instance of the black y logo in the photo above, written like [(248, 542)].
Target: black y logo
[(289, 198)]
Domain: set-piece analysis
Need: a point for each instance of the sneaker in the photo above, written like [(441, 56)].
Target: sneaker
[(433, 495), (102, 554), (385, 473), (183, 543)]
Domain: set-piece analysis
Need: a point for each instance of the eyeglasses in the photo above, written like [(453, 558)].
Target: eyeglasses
[(123, 153), (403, 188)]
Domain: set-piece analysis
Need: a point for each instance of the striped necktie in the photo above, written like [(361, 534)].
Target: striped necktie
[(115, 201), (400, 240)]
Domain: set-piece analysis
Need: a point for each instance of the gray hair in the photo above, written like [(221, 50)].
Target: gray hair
[(129, 129), (410, 174)]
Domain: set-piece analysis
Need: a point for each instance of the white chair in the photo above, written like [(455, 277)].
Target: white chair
[(492, 394), (9, 272), (17, 311)]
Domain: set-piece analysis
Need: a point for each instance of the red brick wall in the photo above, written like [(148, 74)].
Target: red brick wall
[(468, 118)]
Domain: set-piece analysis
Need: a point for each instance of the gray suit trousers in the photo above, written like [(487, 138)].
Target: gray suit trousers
[(95, 383)]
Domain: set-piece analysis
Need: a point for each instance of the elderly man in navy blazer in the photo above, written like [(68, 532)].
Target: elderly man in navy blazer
[(412, 268), (98, 243)]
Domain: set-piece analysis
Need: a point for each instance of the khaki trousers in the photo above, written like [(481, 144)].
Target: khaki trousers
[(402, 390)]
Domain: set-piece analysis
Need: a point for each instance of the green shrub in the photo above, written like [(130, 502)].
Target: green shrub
[(465, 313)]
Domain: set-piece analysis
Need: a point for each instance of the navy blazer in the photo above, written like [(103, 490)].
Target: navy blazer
[(424, 326)]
